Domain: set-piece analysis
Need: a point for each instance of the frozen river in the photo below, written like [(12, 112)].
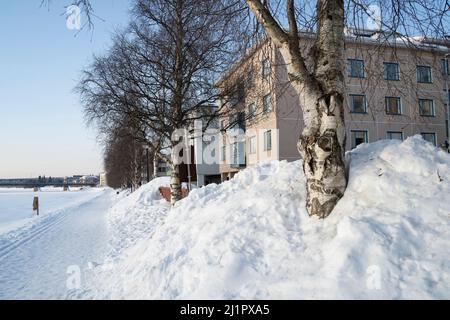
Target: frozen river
[(37, 254)]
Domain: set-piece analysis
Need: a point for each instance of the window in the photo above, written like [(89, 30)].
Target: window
[(424, 74), (268, 140), (224, 153), (237, 121), (430, 137), (391, 71), (238, 154), (266, 103), (395, 135), (358, 137), (222, 124), (252, 145), (355, 68), (426, 107), (445, 67), (266, 68), (393, 105), (235, 153), (358, 103), (252, 110)]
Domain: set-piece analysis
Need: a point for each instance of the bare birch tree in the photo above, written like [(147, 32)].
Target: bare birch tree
[(321, 85), (162, 69)]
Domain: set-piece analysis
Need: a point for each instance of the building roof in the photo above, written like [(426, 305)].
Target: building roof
[(358, 36)]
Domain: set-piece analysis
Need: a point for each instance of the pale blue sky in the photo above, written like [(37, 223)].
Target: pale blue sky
[(42, 131)]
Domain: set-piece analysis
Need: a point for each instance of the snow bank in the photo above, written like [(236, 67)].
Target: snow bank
[(137, 214), (251, 238)]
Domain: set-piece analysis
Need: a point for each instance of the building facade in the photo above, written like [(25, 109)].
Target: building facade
[(392, 92)]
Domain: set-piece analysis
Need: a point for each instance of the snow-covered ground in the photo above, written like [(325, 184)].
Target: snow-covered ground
[(16, 204), (251, 238), (46, 257)]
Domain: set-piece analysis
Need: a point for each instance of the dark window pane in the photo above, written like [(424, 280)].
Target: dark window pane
[(393, 135), (355, 68), (358, 137), (393, 105), (430, 137), (423, 74), (426, 107), (358, 103), (266, 103), (391, 71)]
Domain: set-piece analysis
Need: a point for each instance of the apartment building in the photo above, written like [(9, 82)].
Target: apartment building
[(392, 92)]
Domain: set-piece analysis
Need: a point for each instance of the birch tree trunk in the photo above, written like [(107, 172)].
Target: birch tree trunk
[(175, 185), (155, 166), (321, 92)]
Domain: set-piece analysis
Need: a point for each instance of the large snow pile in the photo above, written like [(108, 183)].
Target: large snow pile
[(137, 214), (251, 238)]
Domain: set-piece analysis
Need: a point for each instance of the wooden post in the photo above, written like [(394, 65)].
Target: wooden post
[(36, 204)]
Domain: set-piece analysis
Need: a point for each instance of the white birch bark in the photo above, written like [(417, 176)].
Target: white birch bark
[(175, 185), (322, 142)]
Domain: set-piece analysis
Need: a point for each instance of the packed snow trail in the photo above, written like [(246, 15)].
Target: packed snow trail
[(35, 264)]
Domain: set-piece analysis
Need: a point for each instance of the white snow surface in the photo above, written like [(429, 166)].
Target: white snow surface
[(45, 257), (136, 215), (251, 237)]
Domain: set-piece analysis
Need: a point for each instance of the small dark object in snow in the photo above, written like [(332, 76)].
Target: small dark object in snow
[(439, 176), (36, 205)]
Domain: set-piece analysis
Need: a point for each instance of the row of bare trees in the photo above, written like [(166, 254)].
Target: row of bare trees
[(161, 70), (160, 74)]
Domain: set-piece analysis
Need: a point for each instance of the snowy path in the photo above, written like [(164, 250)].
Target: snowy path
[(35, 264)]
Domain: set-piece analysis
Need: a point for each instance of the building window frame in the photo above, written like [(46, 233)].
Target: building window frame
[(356, 72), (266, 102), (252, 110), (266, 68), (388, 112), (366, 137), (445, 67), (433, 134), (397, 72), (430, 74), (352, 106), (433, 108), (267, 140), (390, 133)]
